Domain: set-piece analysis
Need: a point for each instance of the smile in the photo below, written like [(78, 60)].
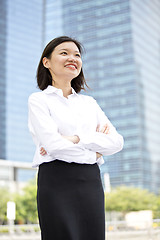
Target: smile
[(72, 66)]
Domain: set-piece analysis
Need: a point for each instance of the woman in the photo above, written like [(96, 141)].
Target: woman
[(71, 133)]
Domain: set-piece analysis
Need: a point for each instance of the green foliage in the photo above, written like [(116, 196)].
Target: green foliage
[(4, 198), (26, 206), (122, 199), (125, 199), (4, 230), (156, 208)]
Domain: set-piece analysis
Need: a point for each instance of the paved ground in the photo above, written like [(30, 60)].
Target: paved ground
[(134, 235), (21, 237)]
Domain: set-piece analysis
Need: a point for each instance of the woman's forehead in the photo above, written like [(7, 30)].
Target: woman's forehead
[(67, 46)]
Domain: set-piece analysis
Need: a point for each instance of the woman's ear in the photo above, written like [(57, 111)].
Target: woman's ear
[(45, 62)]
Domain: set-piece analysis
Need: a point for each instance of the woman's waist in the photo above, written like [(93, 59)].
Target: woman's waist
[(38, 159), (64, 170)]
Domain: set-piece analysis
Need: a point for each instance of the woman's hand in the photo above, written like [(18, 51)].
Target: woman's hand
[(98, 155), (75, 139), (105, 129), (43, 151)]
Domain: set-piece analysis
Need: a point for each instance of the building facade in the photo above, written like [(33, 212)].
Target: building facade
[(122, 62), (23, 46), (3, 39), (146, 41), (106, 32)]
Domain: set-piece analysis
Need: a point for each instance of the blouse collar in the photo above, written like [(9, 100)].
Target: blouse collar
[(58, 91)]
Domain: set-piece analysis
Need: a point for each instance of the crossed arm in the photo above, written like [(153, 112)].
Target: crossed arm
[(75, 139), (104, 141)]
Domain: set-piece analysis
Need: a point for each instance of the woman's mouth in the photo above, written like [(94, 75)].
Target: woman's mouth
[(71, 66)]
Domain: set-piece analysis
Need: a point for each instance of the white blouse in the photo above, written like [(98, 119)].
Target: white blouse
[(51, 115)]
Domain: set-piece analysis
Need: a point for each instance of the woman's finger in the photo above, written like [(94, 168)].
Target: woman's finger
[(104, 128), (97, 129), (42, 151)]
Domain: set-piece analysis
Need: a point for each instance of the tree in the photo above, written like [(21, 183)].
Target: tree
[(26, 206), (156, 208), (125, 199), (5, 196)]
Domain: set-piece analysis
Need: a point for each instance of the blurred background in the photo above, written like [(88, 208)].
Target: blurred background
[(122, 67)]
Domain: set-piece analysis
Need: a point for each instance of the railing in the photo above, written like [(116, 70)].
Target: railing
[(115, 230), (27, 228), (20, 232), (118, 230)]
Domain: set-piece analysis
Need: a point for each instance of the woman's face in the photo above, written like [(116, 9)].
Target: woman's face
[(65, 61)]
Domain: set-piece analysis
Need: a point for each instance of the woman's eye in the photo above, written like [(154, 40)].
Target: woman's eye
[(63, 53), (78, 55)]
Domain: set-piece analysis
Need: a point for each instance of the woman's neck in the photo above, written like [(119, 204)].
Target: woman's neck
[(65, 87)]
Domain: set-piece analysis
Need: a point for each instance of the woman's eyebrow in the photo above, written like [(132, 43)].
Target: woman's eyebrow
[(67, 50)]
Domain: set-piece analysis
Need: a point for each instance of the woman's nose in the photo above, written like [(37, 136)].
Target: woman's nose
[(72, 58)]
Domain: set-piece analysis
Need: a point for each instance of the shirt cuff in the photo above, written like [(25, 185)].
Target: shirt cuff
[(100, 161)]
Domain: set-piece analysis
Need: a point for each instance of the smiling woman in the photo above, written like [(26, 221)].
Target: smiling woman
[(64, 64), (71, 134), (71, 52)]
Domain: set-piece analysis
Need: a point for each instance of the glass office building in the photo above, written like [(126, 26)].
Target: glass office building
[(23, 44), (146, 42), (121, 63), (106, 32), (2, 79)]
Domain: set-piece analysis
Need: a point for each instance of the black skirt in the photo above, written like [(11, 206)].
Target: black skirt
[(70, 201)]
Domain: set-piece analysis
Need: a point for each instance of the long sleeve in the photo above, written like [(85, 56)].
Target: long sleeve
[(106, 144), (45, 131)]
